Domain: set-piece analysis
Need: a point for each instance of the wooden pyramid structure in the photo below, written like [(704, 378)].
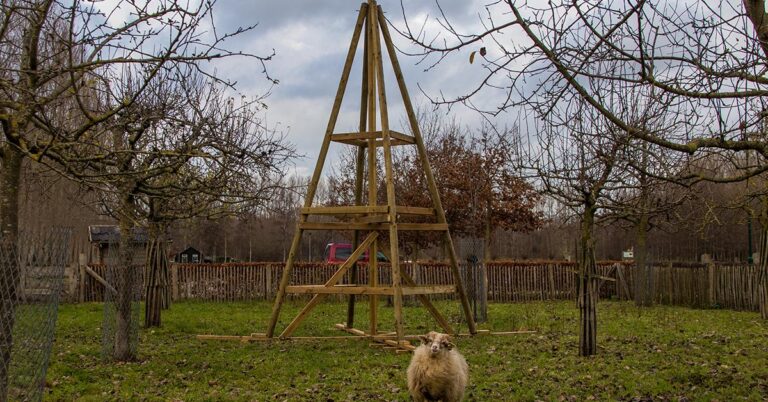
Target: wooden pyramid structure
[(372, 219)]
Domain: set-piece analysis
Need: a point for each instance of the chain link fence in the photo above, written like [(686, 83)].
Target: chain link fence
[(122, 300), (31, 278)]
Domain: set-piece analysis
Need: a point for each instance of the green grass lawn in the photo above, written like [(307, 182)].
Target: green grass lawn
[(659, 353)]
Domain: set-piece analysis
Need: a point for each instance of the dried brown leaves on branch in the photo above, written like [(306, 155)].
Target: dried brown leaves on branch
[(476, 176)]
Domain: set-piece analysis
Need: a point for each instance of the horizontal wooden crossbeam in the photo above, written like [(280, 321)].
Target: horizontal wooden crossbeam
[(346, 210), (372, 226), (370, 290), (361, 138), (402, 210), (364, 209)]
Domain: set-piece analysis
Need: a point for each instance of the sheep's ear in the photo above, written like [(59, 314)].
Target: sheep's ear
[(424, 339), (449, 345)]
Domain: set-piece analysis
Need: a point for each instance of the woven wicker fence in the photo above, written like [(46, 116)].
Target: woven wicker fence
[(690, 284)]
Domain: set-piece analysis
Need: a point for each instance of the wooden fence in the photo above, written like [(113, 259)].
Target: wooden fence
[(689, 284)]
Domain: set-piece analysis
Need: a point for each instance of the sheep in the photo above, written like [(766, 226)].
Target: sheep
[(437, 372)]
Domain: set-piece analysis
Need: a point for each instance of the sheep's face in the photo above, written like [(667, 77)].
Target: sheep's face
[(436, 342)]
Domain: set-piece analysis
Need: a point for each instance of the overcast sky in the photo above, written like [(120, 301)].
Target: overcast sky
[(310, 39)]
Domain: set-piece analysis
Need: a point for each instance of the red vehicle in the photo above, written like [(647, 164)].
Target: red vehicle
[(337, 253)]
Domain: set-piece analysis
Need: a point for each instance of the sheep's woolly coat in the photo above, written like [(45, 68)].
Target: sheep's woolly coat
[(437, 372)]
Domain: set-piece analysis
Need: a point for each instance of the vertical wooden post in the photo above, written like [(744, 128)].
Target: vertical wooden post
[(268, 282), (373, 19), (370, 95), (711, 276), (174, 281), (427, 171), (82, 261), (359, 167), (551, 275)]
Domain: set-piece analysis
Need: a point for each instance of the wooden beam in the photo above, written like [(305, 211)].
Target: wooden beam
[(359, 171), (340, 226), (372, 226), (345, 210), (360, 138), (403, 344), (423, 226), (355, 331), (373, 267), (405, 139), (226, 338), (403, 210), (366, 209), (428, 289), (340, 290), (362, 135), (380, 218), (386, 340), (374, 19)]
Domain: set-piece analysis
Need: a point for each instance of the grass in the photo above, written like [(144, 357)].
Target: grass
[(659, 353)]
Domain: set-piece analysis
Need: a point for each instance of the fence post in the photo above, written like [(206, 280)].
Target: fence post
[(711, 278), (82, 261), (551, 275), (174, 281), (621, 283), (268, 282)]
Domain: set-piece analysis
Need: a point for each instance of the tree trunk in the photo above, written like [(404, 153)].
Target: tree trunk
[(643, 291), (587, 291), (762, 275), (756, 12), (762, 272), (125, 283), (487, 234), (10, 178), (156, 274)]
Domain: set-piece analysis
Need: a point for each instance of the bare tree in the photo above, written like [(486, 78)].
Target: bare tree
[(57, 57), (580, 164), (184, 149)]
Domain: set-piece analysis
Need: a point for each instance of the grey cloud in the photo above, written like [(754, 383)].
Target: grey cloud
[(321, 30)]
